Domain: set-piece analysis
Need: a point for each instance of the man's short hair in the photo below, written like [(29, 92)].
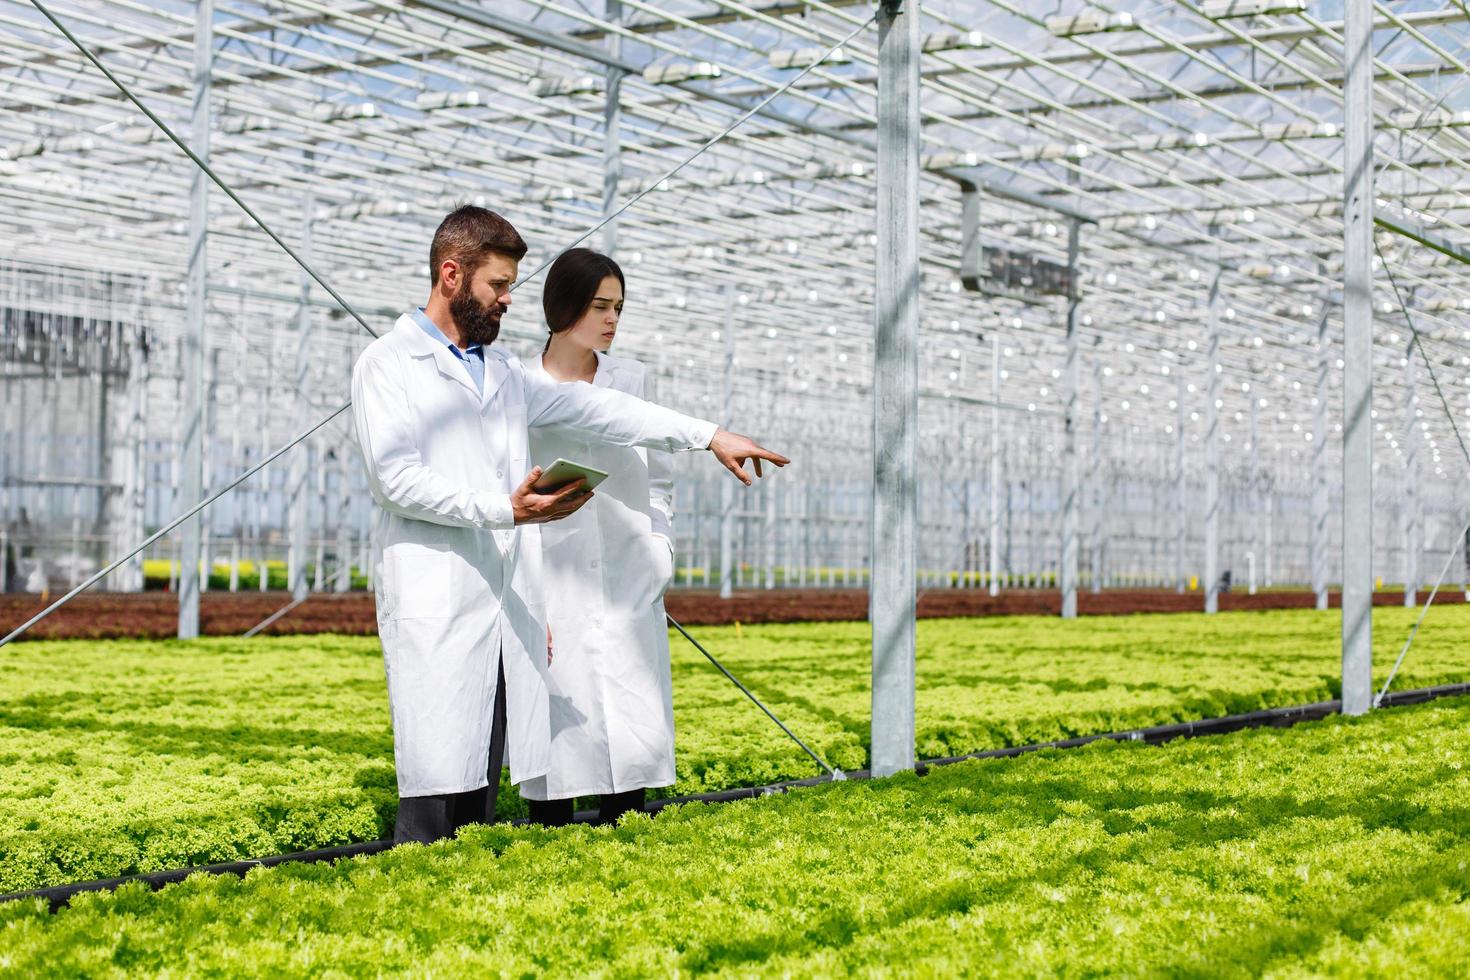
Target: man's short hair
[(468, 235)]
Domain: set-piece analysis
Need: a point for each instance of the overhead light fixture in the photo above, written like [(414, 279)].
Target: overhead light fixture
[(965, 41), (802, 57), (339, 112), (429, 101), (1227, 9), (1431, 119), (943, 161), (554, 85), (684, 71), (1090, 22)]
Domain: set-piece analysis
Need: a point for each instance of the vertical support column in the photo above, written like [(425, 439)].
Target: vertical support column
[(1357, 355), (770, 528), (191, 487), (1212, 452), (1253, 492), (895, 389), (133, 462), (342, 580), (237, 444), (1411, 479), (612, 129), (1099, 512), (1071, 504), (727, 487), (1181, 495), (210, 414), (994, 464), (298, 497), (1317, 538)]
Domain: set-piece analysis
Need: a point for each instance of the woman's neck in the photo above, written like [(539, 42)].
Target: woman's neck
[(566, 361)]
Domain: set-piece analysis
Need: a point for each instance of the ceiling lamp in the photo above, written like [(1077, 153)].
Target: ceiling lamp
[(563, 85), (683, 71), (1227, 9), (804, 57), (966, 41), (338, 112), (1090, 22), (429, 101)]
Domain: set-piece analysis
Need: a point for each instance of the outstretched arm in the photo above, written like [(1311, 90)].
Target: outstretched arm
[(626, 420), (612, 416)]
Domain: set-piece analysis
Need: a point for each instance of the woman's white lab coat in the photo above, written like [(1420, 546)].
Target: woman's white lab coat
[(458, 585), (606, 569)]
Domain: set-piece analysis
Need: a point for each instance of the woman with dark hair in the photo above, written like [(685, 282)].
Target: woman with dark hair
[(606, 568)]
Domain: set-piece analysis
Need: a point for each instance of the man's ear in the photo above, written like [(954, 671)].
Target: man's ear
[(449, 276)]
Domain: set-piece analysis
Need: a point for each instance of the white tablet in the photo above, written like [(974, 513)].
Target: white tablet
[(564, 471)]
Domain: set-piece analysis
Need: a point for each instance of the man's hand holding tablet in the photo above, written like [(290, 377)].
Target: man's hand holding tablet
[(553, 493), (564, 471)]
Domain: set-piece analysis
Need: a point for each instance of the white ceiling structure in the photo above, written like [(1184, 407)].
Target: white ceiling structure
[(1195, 141)]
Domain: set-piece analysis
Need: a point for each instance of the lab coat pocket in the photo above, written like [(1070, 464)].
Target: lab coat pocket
[(418, 583)]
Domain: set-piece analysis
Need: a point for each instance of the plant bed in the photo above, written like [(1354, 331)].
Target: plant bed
[(129, 756), (1336, 848)]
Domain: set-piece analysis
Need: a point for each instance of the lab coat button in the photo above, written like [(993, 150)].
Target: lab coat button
[(592, 563), (499, 474)]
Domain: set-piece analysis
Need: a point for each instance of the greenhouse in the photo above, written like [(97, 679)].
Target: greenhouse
[(1104, 618)]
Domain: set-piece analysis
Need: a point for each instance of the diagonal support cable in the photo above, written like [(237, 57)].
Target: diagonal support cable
[(836, 774), (306, 267)]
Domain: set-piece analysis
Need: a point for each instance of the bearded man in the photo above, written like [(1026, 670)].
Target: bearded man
[(441, 420)]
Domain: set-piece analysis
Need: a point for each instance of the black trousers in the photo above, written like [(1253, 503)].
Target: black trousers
[(558, 813), (429, 818)]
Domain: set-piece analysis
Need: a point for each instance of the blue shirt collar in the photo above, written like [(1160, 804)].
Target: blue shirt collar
[(432, 329)]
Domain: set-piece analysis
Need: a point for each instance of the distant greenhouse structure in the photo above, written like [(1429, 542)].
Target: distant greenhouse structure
[(1143, 298)]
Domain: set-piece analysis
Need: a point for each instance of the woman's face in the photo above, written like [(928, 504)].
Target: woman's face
[(599, 322)]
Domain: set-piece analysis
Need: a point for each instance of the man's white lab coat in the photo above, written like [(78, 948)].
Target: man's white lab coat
[(457, 583)]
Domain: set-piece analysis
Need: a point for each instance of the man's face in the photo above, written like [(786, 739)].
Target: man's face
[(481, 298)]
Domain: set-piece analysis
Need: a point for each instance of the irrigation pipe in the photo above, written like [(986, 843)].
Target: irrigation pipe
[(836, 774), (229, 192), (57, 896)]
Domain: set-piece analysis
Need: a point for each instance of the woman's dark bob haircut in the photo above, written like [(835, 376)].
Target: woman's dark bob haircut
[(572, 283)]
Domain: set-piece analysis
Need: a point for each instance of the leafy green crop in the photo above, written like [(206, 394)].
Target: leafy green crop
[(1337, 847), (126, 756)]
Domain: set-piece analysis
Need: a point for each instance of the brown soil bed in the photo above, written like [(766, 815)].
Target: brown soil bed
[(154, 614)]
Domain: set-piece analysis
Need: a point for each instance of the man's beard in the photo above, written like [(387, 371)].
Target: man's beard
[(477, 322)]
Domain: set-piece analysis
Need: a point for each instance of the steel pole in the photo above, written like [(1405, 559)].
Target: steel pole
[(298, 499), (1357, 315), (1099, 511), (1317, 537), (191, 487), (895, 389), (612, 128), (1212, 452), (1181, 528), (994, 465), (1411, 478), (727, 488), (1071, 504)]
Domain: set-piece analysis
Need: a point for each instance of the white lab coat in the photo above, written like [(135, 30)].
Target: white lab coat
[(457, 583), (606, 569)]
